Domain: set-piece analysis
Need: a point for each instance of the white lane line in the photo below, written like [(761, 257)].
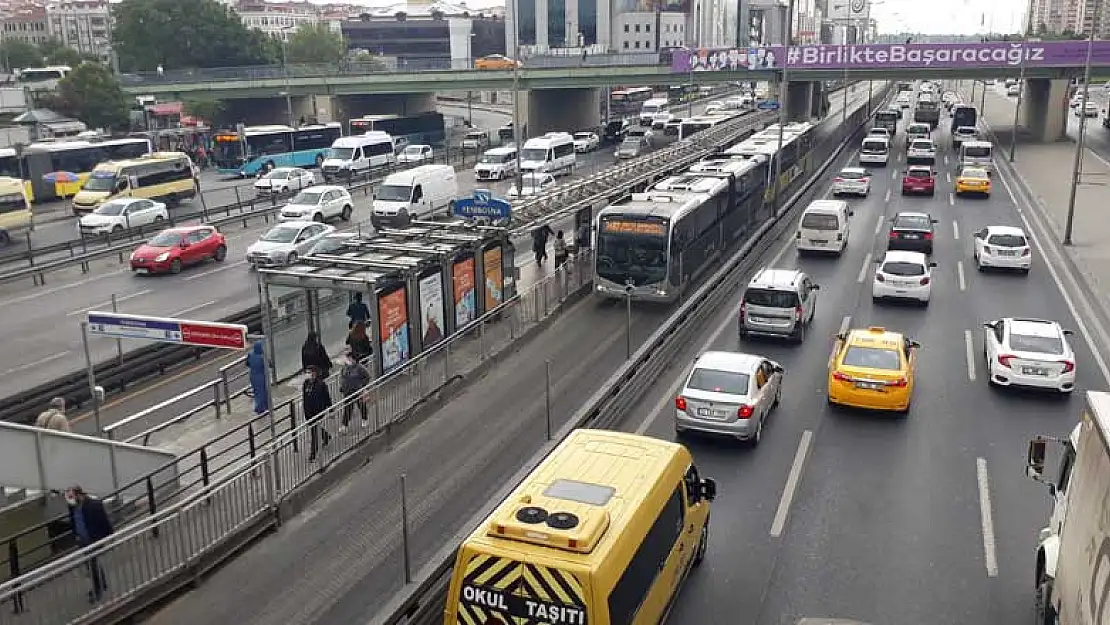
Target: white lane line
[(35, 363), (214, 271), (948, 176), (887, 197), (969, 352), (879, 224), (729, 320), (191, 309), (986, 516), (844, 323), (108, 304), (955, 230), (792, 480), (865, 269), (960, 275), (945, 159), (60, 288), (951, 199), (893, 174)]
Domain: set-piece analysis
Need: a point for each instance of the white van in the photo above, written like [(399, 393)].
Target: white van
[(552, 153), (824, 227), (874, 151), (417, 193), (358, 154), (649, 109), (496, 164), (977, 154)]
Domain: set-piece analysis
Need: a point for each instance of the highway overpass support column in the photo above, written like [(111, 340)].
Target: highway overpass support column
[(1044, 112), (569, 110), (803, 100)]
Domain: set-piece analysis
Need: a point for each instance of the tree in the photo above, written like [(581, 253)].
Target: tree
[(207, 110), (54, 52), (185, 35), (19, 54), (315, 43), (92, 94)]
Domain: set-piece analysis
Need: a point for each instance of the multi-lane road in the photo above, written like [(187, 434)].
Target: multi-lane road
[(917, 521)]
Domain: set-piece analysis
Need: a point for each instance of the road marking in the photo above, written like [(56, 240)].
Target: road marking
[(960, 275), (792, 480), (60, 288), (969, 352), (191, 309), (865, 269), (886, 198), (948, 176), (951, 199), (102, 305), (214, 271), (989, 557), (945, 159), (893, 174), (844, 323), (879, 224), (955, 230), (35, 363)]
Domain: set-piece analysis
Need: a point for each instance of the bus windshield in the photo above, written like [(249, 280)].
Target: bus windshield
[(632, 251), (101, 181), (228, 153)]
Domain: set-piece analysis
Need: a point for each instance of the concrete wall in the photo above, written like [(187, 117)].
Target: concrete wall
[(804, 100), (567, 110), (1045, 109)]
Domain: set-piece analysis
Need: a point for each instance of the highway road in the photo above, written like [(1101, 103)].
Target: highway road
[(480, 437), (41, 324), (920, 520), (1098, 137)]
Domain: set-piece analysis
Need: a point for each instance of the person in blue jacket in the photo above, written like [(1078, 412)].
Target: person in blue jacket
[(256, 363)]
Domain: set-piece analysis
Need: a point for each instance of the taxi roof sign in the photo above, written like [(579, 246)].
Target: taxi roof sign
[(877, 329)]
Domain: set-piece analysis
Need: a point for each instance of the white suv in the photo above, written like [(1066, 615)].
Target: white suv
[(1029, 352), (905, 276), (1002, 247), (921, 151), (319, 203)]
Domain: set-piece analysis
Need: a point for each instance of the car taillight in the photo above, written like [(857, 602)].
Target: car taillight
[(840, 236), (743, 310), (838, 180), (1069, 366), (798, 234), (798, 313), (928, 236), (1005, 359), (879, 278), (1025, 252), (899, 383), (680, 403), (893, 234), (841, 377), (925, 281), (744, 412)]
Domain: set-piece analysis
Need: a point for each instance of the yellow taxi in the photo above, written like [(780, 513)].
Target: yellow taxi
[(973, 180), (872, 368), (495, 61)]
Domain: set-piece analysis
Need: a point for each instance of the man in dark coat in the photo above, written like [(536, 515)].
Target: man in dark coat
[(90, 524), (317, 401)]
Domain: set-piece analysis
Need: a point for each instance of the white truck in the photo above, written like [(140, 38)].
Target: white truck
[(1073, 557)]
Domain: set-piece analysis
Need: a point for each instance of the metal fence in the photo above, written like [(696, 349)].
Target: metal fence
[(239, 478)]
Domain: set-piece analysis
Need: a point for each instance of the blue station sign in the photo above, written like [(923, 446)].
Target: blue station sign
[(483, 205)]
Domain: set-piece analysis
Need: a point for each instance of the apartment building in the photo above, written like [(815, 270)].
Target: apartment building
[(84, 25), (283, 18), (25, 22)]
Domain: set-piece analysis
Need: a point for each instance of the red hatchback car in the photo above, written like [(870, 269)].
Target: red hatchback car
[(919, 179), (172, 249)]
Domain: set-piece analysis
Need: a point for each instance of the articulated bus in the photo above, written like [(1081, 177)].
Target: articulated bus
[(628, 101), (74, 157), (419, 129), (677, 94), (262, 148), (698, 123), (793, 160)]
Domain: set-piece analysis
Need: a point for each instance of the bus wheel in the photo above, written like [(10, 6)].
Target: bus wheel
[(319, 161)]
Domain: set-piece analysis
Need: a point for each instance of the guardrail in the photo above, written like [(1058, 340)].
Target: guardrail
[(178, 543)]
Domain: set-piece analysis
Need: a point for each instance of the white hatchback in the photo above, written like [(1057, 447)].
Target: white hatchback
[(319, 203), (921, 151), (852, 181), (903, 275), (1029, 352), (1002, 247), (124, 213), (284, 180)]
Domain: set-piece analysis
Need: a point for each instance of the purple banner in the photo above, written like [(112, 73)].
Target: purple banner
[(997, 54)]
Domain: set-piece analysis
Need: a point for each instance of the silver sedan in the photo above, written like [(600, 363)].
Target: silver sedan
[(729, 394)]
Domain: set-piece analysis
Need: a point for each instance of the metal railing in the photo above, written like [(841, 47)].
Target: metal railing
[(173, 545)]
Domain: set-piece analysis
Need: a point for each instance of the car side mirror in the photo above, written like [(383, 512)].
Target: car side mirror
[(1069, 332), (851, 213), (932, 265), (841, 336), (708, 489), (990, 325), (934, 221), (914, 345), (816, 287), (778, 369)]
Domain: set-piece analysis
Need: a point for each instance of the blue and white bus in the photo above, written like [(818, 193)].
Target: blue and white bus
[(419, 129), (261, 148)]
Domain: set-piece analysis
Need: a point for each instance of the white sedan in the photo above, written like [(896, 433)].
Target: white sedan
[(284, 180), (1002, 247), (534, 184), (921, 151), (416, 154), (1029, 352), (122, 214), (852, 181), (586, 141), (904, 276), (1088, 110)]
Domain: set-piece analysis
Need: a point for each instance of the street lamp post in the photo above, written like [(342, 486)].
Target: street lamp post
[(1021, 86), (517, 134), (285, 76), (1079, 144), (469, 62), (788, 37)]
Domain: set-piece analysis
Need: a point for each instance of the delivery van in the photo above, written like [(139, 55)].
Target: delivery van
[(552, 153), (166, 176), (358, 154), (824, 227), (417, 193), (603, 532), (15, 210)]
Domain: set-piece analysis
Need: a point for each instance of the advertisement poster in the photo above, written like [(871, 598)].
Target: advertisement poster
[(431, 309), (393, 321), (466, 302), (491, 261)]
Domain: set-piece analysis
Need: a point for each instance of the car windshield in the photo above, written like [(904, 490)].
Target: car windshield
[(820, 221), (1037, 344), (100, 181), (278, 174), (966, 131), (393, 193), (310, 198), (585, 136), (1007, 240), (973, 173), (771, 298), (475, 135), (166, 239), (111, 209), (918, 129), (874, 147), (898, 268), (716, 381), (534, 154), (492, 158), (913, 222), (922, 145), (281, 234), (414, 150), (872, 358), (920, 173), (343, 154), (630, 144), (852, 175)]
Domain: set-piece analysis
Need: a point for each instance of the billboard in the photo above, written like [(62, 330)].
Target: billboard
[(431, 309), (848, 10), (393, 323), (462, 278)]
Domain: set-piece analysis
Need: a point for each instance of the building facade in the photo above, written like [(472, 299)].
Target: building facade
[(283, 18), (26, 23), (437, 32), (84, 25)]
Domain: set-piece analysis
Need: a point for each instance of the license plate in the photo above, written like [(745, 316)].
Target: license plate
[(1006, 253), (869, 385), (818, 241), (1041, 371), (709, 412), (142, 272), (911, 236)]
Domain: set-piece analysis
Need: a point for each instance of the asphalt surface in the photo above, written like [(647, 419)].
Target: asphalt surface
[(307, 575), (884, 519), (41, 324)]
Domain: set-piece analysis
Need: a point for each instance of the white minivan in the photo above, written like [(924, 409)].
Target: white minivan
[(824, 227), (496, 164), (414, 194), (358, 154), (874, 151), (552, 153)]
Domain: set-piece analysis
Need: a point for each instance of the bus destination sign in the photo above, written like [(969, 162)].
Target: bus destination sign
[(626, 226)]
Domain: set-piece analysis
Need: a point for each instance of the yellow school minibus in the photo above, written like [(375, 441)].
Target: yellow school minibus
[(166, 176), (15, 209), (603, 532)]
